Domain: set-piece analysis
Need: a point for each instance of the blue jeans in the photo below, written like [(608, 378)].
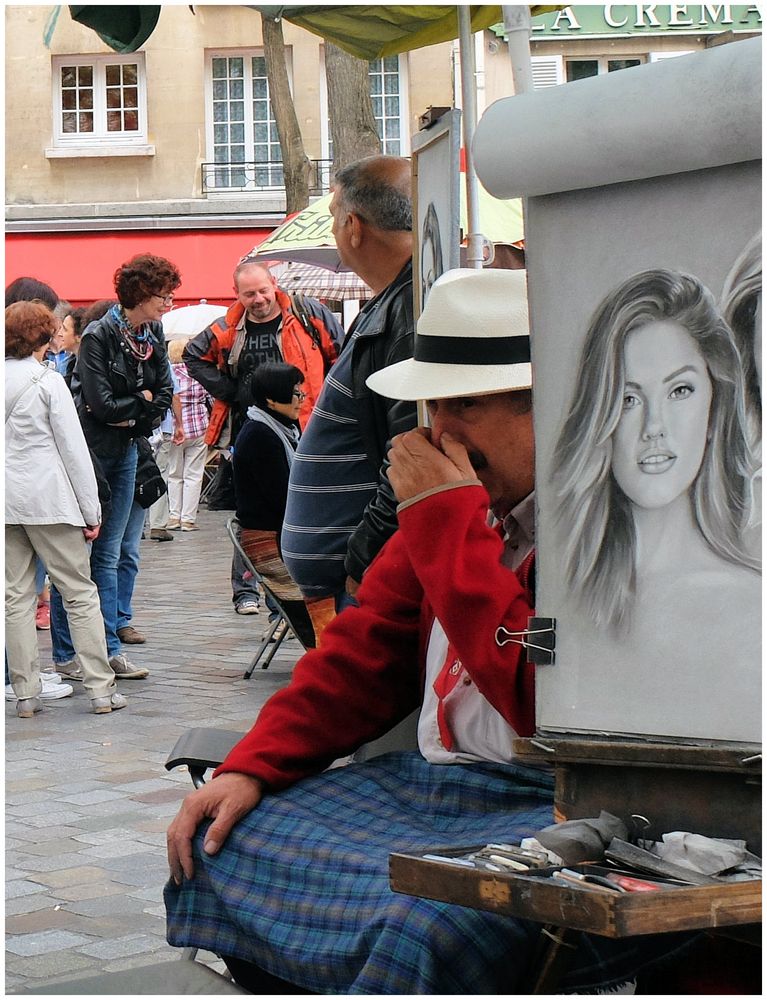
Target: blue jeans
[(40, 574), (242, 590), (62, 649), (120, 473), (127, 569)]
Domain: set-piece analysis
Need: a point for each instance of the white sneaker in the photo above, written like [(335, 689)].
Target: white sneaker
[(50, 674), (52, 690)]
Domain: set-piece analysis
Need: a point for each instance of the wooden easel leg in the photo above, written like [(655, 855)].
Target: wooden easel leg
[(555, 951)]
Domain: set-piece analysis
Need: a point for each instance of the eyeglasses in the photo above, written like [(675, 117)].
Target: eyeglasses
[(300, 396), (167, 300)]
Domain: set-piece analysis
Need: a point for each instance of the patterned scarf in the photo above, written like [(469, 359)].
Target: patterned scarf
[(137, 341)]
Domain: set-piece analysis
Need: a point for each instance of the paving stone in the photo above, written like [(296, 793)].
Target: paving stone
[(72, 876), (90, 890), (56, 967), (54, 818), (38, 864), (110, 906), (51, 847), (22, 887), (121, 947), (124, 848), (93, 797), (29, 904), (43, 942)]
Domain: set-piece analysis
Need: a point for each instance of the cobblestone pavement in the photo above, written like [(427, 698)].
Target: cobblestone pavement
[(88, 799)]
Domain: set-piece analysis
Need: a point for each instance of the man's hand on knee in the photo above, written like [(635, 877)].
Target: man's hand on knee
[(226, 800)]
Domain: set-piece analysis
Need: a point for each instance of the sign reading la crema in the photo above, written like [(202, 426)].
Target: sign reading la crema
[(647, 18)]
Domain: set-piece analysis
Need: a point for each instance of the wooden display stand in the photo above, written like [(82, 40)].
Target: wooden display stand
[(712, 790)]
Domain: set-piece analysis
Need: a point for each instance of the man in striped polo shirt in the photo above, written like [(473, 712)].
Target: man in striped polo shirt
[(341, 508)]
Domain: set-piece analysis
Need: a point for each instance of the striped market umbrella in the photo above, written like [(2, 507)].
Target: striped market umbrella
[(308, 238), (321, 282)]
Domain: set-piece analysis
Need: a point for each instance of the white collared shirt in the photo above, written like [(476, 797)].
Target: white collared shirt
[(479, 731)]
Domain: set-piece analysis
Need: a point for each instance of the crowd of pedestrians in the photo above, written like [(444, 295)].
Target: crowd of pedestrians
[(245, 386)]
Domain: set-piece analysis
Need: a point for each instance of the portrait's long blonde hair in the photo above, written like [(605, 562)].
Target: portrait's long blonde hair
[(596, 521)]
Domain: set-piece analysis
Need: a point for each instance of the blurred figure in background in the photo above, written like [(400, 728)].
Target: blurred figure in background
[(186, 466)]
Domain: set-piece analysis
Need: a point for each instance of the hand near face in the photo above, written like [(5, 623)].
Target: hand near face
[(417, 465), (226, 800)]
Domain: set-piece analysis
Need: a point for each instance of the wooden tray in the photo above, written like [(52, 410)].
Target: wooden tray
[(528, 895)]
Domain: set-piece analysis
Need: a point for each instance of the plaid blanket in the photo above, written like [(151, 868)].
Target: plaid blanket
[(301, 886)]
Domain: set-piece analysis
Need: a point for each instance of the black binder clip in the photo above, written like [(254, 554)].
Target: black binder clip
[(541, 651)]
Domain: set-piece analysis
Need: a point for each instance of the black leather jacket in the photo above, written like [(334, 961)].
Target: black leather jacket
[(386, 328), (107, 385)]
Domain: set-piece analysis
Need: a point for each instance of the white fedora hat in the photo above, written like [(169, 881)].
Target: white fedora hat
[(473, 337)]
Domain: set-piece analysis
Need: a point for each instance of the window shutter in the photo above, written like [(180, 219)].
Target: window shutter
[(548, 71)]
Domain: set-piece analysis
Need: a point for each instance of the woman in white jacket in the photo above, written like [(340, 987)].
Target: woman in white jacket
[(51, 510)]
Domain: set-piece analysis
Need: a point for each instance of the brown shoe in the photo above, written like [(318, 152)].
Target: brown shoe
[(160, 535), (131, 636)]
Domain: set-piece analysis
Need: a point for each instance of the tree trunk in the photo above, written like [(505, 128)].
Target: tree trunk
[(352, 123), (295, 162)]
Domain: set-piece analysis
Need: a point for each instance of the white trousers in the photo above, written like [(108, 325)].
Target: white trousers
[(185, 472), (158, 512), (64, 551)]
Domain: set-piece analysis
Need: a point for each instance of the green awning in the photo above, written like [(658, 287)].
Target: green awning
[(368, 32)]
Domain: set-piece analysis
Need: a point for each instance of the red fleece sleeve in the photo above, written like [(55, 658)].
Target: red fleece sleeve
[(363, 680), (456, 557)]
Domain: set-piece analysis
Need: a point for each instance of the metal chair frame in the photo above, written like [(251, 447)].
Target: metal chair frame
[(232, 526)]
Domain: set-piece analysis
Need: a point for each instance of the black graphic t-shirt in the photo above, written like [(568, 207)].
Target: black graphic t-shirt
[(260, 346)]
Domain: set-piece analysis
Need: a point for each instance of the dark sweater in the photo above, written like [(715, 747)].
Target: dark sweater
[(260, 476)]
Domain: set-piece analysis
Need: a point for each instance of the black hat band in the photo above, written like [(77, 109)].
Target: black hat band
[(472, 350)]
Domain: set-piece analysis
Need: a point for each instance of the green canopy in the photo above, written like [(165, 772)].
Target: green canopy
[(368, 32), (378, 30)]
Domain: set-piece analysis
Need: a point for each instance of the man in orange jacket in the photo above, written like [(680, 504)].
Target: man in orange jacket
[(262, 325)]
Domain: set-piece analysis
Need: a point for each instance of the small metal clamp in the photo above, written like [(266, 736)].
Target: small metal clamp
[(542, 651)]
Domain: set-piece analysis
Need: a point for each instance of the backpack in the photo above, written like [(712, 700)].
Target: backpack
[(302, 312)]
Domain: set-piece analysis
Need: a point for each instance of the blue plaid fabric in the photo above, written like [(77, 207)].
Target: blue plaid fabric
[(301, 887)]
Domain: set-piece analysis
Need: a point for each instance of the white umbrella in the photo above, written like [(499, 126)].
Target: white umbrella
[(188, 321)]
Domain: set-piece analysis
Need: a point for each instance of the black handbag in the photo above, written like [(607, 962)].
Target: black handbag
[(150, 485)]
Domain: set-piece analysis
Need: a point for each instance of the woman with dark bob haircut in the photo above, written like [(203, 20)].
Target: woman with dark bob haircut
[(263, 455), (122, 387), (653, 470), (51, 511), (30, 290)]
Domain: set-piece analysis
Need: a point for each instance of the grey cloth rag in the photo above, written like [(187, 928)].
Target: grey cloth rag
[(582, 839), (703, 854)]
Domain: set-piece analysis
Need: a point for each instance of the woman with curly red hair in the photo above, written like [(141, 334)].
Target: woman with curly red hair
[(122, 387)]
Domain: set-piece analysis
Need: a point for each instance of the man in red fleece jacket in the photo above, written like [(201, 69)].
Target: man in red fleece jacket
[(278, 864), (444, 564)]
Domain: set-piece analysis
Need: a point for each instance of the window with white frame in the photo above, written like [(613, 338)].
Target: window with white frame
[(99, 102), (387, 92), (243, 142)]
